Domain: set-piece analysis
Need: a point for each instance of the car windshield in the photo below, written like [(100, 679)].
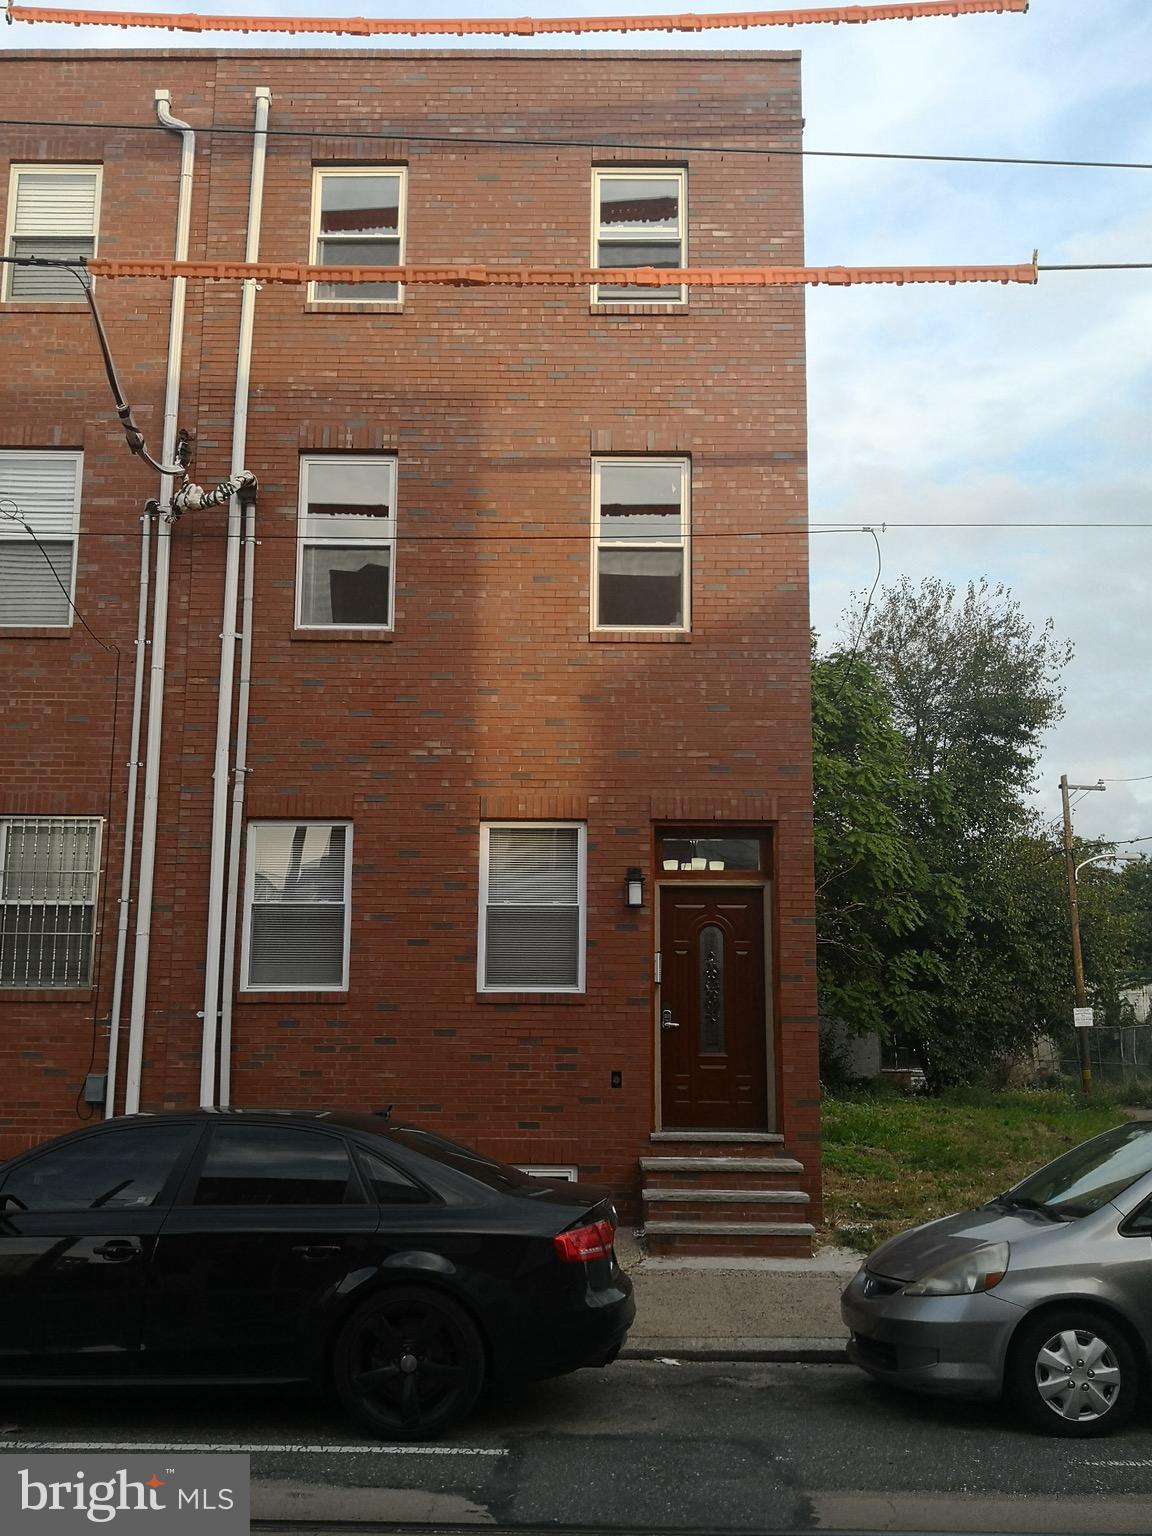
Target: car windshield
[(1089, 1176), (465, 1159)]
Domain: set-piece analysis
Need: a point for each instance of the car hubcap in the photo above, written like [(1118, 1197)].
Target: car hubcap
[(409, 1363), (1077, 1375)]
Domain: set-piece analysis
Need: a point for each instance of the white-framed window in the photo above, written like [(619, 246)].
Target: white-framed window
[(297, 905), (533, 906), (39, 490), (640, 540), (53, 210), (346, 575), (358, 220), (639, 219), (49, 876)]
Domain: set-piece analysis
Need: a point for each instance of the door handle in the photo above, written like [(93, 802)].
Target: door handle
[(316, 1251), (118, 1249), (667, 1021)]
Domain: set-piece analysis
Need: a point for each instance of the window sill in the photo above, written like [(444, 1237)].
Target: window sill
[(36, 632), (639, 637), (47, 994), (338, 633), (623, 309), (533, 999), (354, 307), (35, 307), (328, 999)]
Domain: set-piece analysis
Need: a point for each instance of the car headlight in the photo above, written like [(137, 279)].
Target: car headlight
[(971, 1272)]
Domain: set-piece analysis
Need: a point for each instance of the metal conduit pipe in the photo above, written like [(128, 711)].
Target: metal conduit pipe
[(263, 97), (149, 815)]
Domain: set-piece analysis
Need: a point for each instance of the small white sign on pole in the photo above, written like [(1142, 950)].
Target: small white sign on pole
[(1082, 1018)]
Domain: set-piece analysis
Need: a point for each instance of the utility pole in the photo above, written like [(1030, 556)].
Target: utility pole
[(1074, 917)]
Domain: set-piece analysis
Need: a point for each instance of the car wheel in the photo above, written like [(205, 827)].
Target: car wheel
[(408, 1364), (1074, 1373)]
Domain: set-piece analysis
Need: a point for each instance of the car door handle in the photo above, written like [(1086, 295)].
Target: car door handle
[(318, 1250), (118, 1249)]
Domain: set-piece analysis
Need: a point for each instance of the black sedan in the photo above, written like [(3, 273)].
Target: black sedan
[(255, 1246)]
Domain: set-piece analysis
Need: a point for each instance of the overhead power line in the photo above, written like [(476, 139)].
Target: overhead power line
[(515, 139), (519, 26)]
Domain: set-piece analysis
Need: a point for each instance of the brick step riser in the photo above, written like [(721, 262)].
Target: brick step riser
[(684, 1247), (702, 1210), (661, 1179)]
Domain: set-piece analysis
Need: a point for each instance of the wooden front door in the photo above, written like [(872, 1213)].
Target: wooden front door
[(713, 1024)]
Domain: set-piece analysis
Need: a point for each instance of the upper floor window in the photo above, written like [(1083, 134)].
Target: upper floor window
[(639, 220), (53, 210), (640, 544), (297, 906), (532, 907), (49, 872), (39, 522), (357, 221), (346, 573)]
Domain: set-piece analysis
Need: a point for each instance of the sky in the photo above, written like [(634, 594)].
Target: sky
[(978, 404)]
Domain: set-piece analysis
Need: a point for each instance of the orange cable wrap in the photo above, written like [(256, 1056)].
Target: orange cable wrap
[(515, 26), (478, 275)]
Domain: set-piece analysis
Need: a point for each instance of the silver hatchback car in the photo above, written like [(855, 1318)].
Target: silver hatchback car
[(1044, 1294)]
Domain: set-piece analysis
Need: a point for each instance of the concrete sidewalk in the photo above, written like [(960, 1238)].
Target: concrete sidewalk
[(737, 1309)]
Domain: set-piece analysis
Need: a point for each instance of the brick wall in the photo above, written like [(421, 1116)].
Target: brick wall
[(491, 693)]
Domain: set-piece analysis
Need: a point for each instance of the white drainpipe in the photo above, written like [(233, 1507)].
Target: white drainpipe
[(156, 674), (232, 895), (263, 98)]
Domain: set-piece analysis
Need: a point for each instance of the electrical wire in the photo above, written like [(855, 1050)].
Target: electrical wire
[(864, 618), (522, 142), (1142, 778)]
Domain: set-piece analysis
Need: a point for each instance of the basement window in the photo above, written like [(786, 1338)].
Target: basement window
[(357, 221), (53, 210), (49, 873), (39, 526), (639, 220)]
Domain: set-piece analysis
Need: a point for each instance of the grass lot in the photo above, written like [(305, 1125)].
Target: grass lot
[(891, 1161)]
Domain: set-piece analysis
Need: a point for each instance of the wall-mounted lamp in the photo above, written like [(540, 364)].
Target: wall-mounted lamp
[(634, 887)]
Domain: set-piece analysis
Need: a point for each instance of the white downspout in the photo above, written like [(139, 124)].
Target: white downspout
[(156, 670), (240, 772), (263, 97)]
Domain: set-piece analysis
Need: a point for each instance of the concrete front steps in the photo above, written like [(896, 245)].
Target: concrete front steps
[(723, 1194)]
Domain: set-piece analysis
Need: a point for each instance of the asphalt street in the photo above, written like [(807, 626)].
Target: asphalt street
[(643, 1446)]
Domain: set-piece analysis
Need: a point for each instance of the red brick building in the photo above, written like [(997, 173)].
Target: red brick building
[(525, 831)]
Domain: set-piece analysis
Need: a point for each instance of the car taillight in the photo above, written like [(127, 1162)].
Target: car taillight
[(579, 1244)]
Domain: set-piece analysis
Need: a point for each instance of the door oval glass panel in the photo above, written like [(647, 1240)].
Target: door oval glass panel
[(711, 974)]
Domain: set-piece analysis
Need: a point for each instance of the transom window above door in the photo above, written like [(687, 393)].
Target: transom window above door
[(639, 220), (357, 221), (709, 853)]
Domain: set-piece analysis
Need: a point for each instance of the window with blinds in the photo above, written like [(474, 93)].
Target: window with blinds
[(357, 221), (49, 873), (346, 571), (297, 905), (532, 908), (640, 544), (53, 210), (39, 522), (639, 220)]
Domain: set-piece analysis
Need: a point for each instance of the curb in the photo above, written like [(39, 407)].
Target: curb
[(741, 1351)]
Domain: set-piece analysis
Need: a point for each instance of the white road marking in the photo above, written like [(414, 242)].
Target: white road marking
[(1140, 1464), (228, 1445)]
